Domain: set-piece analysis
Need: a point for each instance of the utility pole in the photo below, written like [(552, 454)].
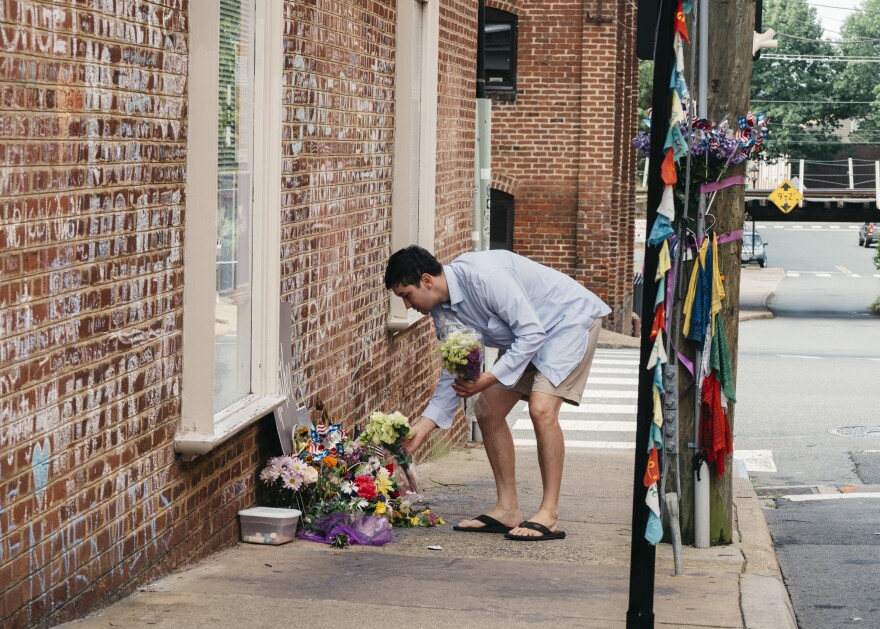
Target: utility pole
[(731, 33)]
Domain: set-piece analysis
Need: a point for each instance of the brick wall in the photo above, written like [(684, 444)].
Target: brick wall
[(93, 500), (333, 267), (562, 147), (92, 186)]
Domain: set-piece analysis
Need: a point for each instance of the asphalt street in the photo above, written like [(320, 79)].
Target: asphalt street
[(807, 414)]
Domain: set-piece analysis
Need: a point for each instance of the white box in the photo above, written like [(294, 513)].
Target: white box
[(268, 525)]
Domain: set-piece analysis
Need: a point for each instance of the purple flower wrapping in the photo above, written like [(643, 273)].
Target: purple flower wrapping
[(474, 366), (367, 530)]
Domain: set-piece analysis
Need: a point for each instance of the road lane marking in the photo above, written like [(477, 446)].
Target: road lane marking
[(797, 226), (823, 274), (791, 274), (577, 443), (835, 227), (815, 227), (756, 460), (581, 425), (847, 496), (854, 275)]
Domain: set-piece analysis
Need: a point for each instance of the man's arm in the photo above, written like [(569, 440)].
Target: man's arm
[(419, 432)]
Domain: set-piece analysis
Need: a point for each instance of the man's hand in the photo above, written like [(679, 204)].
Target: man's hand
[(465, 388), (419, 433)]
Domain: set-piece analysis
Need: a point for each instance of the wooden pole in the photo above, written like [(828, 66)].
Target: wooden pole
[(731, 31)]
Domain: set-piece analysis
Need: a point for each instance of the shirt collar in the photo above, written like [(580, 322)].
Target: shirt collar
[(455, 295)]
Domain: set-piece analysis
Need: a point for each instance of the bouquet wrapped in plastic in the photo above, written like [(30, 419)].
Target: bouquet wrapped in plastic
[(390, 431), (461, 350)]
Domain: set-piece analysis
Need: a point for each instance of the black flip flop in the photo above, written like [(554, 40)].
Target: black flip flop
[(491, 526), (545, 533)]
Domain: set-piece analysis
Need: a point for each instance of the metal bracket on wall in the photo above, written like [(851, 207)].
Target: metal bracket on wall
[(598, 19)]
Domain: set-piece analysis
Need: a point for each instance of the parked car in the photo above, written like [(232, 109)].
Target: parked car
[(760, 253), (869, 233)]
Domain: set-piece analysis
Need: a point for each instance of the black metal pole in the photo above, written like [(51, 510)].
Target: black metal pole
[(640, 614)]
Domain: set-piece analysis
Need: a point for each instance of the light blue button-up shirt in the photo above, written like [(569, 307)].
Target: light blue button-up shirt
[(530, 312)]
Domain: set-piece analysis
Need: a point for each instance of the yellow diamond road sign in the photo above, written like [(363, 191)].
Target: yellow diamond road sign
[(786, 196)]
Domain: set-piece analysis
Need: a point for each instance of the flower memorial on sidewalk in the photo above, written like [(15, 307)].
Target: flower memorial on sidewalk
[(346, 490), (461, 351)]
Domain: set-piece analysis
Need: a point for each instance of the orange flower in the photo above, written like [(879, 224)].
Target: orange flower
[(330, 461)]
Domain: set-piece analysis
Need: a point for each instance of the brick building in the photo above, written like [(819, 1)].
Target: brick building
[(563, 115), (170, 170)]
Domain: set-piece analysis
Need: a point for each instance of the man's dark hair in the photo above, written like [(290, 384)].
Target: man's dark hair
[(405, 267)]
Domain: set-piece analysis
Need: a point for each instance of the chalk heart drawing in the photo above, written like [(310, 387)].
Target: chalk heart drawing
[(40, 466)]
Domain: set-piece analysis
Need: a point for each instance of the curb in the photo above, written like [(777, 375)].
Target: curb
[(764, 600)]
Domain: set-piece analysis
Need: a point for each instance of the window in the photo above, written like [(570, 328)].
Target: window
[(500, 34), (500, 220), (415, 136), (231, 266)]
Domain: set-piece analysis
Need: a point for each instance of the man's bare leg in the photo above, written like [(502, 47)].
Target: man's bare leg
[(491, 410), (544, 411)]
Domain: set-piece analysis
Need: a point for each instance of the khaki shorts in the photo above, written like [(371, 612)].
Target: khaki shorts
[(572, 388)]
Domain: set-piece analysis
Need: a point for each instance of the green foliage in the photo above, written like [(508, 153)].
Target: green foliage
[(230, 35), (646, 88), (797, 126), (858, 81)]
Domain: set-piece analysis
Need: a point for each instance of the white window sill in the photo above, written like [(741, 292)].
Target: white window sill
[(400, 324), (227, 423)]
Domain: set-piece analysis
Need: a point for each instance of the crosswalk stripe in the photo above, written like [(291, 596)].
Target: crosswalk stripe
[(611, 393), (583, 425), (577, 443), (612, 370), (609, 361), (610, 409), (601, 380)]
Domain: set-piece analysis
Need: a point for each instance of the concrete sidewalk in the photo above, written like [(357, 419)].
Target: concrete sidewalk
[(482, 579), (479, 579)]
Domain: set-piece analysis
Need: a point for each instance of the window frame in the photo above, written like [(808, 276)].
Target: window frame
[(499, 16), (409, 225), (201, 429)]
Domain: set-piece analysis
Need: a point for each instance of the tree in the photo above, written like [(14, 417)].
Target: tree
[(798, 128), (860, 37)]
